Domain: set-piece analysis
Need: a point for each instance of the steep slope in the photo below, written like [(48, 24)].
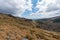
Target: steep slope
[(14, 28), (52, 24)]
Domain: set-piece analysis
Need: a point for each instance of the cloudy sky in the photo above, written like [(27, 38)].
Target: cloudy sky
[(32, 9)]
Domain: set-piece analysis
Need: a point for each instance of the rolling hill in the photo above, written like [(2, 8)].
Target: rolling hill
[(51, 24), (15, 28)]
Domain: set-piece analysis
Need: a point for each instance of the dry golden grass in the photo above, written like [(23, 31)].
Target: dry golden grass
[(19, 29)]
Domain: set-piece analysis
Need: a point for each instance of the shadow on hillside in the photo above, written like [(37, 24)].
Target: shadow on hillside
[(55, 28)]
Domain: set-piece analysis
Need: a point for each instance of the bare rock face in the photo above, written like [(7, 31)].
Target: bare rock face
[(14, 28)]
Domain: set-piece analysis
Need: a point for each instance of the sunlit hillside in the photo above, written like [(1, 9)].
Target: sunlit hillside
[(15, 28)]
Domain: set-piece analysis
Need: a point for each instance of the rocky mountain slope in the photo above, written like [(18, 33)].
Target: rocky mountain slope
[(15, 28)]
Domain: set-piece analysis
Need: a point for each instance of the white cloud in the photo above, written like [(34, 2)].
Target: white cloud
[(45, 14), (47, 9), (16, 7)]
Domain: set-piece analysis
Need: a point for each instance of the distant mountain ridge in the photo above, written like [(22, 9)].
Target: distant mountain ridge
[(52, 24)]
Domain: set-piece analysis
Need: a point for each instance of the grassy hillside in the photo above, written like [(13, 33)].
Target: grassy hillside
[(51, 24), (14, 28)]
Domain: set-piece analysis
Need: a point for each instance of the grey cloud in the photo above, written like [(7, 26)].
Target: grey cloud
[(15, 7), (52, 7), (6, 7)]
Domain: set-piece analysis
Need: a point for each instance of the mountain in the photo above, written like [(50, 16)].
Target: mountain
[(51, 24), (15, 28)]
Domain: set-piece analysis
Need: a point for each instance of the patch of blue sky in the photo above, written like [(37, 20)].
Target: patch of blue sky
[(26, 13), (34, 2), (34, 10)]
